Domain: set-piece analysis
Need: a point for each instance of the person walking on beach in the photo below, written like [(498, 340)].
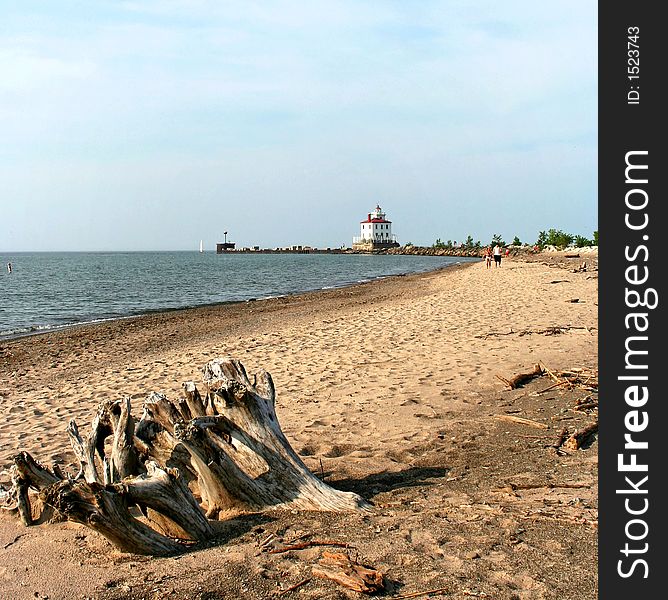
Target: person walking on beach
[(488, 257), (497, 256)]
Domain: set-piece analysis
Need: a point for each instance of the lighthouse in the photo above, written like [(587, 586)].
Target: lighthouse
[(375, 232)]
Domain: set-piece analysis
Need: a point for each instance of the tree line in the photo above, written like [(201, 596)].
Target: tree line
[(551, 237)]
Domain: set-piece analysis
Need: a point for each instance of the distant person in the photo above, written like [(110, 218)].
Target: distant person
[(507, 252), (9, 267), (488, 257), (497, 256)]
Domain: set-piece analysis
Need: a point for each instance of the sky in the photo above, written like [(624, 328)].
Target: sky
[(152, 125)]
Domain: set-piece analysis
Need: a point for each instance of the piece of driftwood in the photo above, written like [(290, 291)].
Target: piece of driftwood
[(586, 379), (578, 437), (441, 590), (343, 570), (522, 378), (553, 330), (551, 387), (561, 438), (151, 486), (20, 486), (535, 486), (297, 585), (521, 421), (309, 544)]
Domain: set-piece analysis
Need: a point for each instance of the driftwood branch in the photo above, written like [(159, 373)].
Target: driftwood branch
[(106, 511), (348, 573), (292, 588), (585, 379), (579, 437), (309, 544), (522, 378), (206, 455), (521, 421), (440, 590), (553, 330)]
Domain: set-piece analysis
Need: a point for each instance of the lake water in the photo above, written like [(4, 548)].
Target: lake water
[(53, 290)]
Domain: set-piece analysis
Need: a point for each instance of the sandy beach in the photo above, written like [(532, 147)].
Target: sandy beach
[(390, 389)]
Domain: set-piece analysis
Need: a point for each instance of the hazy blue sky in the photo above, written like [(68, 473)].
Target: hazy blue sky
[(152, 125)]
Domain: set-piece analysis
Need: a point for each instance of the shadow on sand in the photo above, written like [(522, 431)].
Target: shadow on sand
[(386, 481)]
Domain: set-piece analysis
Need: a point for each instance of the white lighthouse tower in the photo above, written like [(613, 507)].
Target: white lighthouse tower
[(375, 232)]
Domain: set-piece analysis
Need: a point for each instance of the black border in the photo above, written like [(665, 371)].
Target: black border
[(625, 127)]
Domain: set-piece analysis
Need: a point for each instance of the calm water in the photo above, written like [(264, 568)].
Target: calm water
[(53, 290)]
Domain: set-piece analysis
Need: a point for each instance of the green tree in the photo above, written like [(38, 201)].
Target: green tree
[(581, 241), (541, 242), (595, 240), (516, 241), (439, 243), (497, 239), (558, 238), (469, 242)]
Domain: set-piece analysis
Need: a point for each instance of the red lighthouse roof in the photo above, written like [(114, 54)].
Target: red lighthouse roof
[(377, 216), (370, 220)]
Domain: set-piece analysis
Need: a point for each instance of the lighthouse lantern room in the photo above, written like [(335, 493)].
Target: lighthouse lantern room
[(375, 232)]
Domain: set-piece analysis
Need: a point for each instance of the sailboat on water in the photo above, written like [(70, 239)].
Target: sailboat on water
[(201, 246)]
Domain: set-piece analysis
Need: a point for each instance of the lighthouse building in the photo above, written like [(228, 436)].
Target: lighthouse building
[(375, 232)]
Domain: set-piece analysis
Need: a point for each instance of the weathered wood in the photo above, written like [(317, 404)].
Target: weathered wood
[(199, 456), (563, 434), (165, 491), (27, 473), (105, 511), (308, 544), (193, 399), (428, 593), (84, 450), (522, 378), (243, 449), (21, 497), (577, 438), (154, 436), (522, 421), (124, 460), (37, 475), (292, 588), (341, 569)]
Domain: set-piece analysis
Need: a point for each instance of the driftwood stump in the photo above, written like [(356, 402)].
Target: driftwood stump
[(152, 487)]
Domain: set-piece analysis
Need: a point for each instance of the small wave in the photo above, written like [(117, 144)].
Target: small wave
[(38, 329), (8, 333), (272, 297)]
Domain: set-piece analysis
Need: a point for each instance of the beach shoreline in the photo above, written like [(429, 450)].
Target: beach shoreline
[(115, 289), (215, 305), (390, 389)]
